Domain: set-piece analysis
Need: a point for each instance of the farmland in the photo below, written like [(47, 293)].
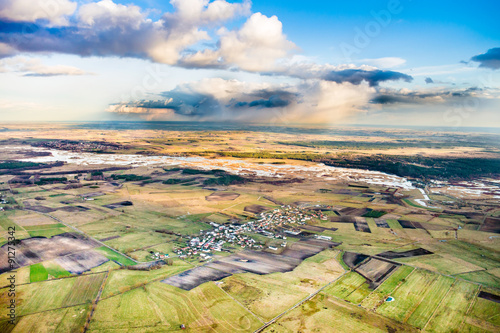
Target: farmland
[(234, 243), (38, 273)]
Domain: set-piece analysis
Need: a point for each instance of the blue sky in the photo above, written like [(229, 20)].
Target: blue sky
[(382, 62)]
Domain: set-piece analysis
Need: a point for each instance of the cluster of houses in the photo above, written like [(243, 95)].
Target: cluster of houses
[(159, 256), (213, 240), (272, 224), (3, 201), (77, 146)]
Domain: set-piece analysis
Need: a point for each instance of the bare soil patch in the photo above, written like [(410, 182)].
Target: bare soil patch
[(489, 296), (381, 223), (80, 262), (352, 259), (32, 219), (375, 270), (491, 225), (194, 277), (405, 254), (39, 208), (256, 209), (119, 204), (34, 250), (354, 211)]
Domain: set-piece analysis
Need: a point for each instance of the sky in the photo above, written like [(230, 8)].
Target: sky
[(392, 62)]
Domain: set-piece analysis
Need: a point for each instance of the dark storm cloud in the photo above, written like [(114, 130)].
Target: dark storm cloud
[(272, 102), (490, 59), (373, 77), (267, 98), (415, 97), (31, 37), (428, 80), (184, 101)]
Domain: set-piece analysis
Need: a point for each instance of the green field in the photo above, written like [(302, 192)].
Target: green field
[(264, 296), (57, 321), (115, 256), (55, 270), (451, 313), (485, 313), (394, 224), (46, 295), (359, 294), (407, 295), (326, 314), (84, 289), (47, 232), (387, 287), (122, 280), (38, 272), (159, 307), (345, 286), (482, 277), (5, 223), (430, 303)]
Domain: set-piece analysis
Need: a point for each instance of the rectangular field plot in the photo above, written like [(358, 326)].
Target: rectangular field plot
[(442, 263), (483, 277), (84, 290), (484, 315), (57, 321), (55, 270), (387, 287), (47, 232), (345, 286), (159, 308), (407, 295), (134, 241), (5, 223), (375, 270), (123, 279), (38, 273), (429, 304), (359, 294), (451, 312), (80, 262), (41, 296)]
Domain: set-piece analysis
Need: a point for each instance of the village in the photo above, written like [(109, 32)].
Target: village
[(273, 225), (77, 146)]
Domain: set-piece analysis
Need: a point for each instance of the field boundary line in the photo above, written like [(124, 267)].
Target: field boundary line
[(393, 291), (298, 304), (94, 303), (473, 302), (141, 285), (439, 305), (61, 278), (374, 290), (477, 270), (253, 314), (55, 309), (426, 292), (347, 296)]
